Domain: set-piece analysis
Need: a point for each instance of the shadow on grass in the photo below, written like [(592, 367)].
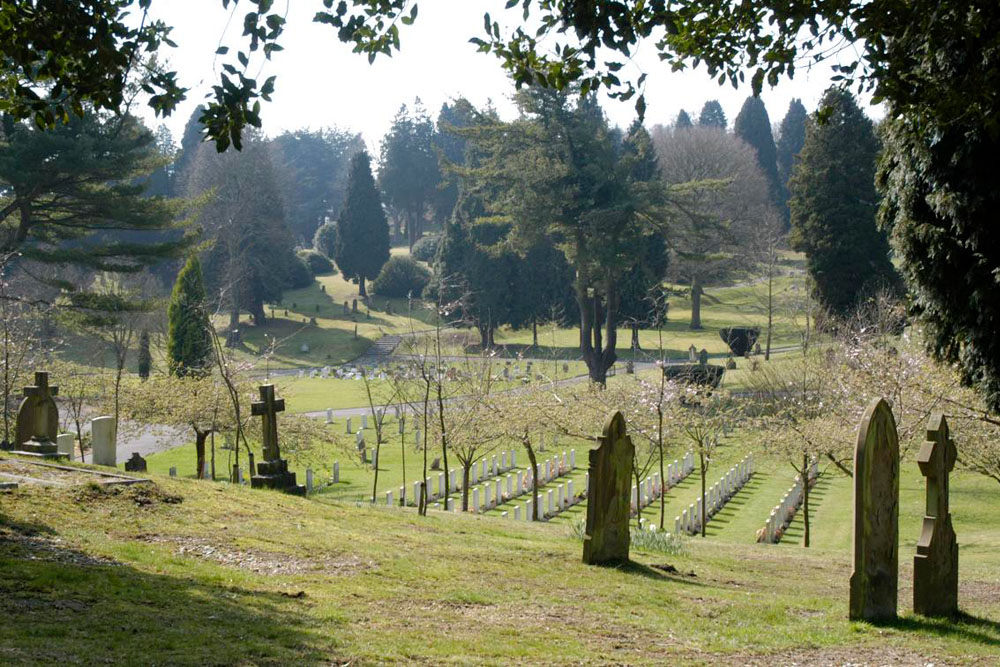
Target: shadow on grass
[(643, 570), (111, 612), (962, 625)]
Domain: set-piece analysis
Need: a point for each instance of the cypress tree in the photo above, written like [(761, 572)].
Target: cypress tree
[(790, 141), (753, 126), (712, 115), (683, 121), (145, 358), (189, 343), (362, 243), (833, 206)]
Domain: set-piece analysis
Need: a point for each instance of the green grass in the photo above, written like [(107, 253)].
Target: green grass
[(196, 573)]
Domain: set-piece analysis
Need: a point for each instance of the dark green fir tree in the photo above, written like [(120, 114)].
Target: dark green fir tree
[(362, 242), (189, 341)]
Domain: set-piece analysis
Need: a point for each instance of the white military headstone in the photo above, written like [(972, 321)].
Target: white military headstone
[(102, 437)]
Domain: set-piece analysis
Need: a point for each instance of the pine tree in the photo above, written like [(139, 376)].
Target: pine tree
[(362, 243), (145, 358), (790, 141), (833, 206), (683, 121), (712, 115), (189, 342), (753, 126)]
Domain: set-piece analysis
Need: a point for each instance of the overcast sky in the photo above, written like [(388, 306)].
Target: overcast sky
[(320, 83)]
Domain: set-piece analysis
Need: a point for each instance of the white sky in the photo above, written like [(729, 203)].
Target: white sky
[(320, 83)]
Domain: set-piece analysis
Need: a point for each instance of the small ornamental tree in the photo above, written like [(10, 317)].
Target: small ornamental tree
[(362, 241), (145, 358), (189, 342)]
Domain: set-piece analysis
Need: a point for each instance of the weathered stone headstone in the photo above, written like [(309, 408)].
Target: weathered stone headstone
[(66, 444), (136, 463), (935, 567), (104, 450), (607, 529), (692, 353), (273, 472), (38, 420), (703, 357), (875, 579)]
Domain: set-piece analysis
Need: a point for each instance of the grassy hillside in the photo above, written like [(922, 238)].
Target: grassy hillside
[(194, 573)]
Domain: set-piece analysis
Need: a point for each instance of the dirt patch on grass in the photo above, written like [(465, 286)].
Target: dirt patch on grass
[(839, 656), (140, 495), (259, 561)]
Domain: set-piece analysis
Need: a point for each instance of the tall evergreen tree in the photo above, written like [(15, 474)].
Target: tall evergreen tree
[(790, 141), (450, 147), (753, 126), (683, 121), (74, 195), (408, 171), (833, 206), (712, 115), (145, 361), (189, 341), (362, 242)]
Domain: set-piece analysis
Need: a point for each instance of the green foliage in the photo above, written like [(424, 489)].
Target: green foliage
[(189, 342), (145, 360), (74, 195), (712, 115), (400, 277), (833, 206), (451, 147), (683, 121), (753, 126), (791, 139), (311, 168), (426, 248), (317, 263), (362, 241), (408, 172), (325, 239)]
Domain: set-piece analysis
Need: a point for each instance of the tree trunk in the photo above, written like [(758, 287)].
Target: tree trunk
[(534, 332), (704, 512), (484, 337), (257, 314), (465, 485), (534, 479), (770, 306), (402, 450), (805, 500), (599, 354), (199, 450), (635, 337), (638, 496), (696, 292), (362, 292), (659, 445), (233, 332)]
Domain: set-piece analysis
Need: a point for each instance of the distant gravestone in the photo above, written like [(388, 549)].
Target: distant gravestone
[(37, 426), (692, 353), (935, 567), (607, 529), (273, 472), (354, 306), (136, 463), (103, 442), (703, 357), (875, 579)]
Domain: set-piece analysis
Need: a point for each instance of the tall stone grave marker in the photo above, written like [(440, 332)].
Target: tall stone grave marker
[(103, 442), (38, 420), (875, 579), (607, 530), (273, 472), (935, 567)]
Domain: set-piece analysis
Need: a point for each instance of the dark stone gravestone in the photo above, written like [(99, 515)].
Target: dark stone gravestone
[(37, 426), (136, 463), (935, 567), (273, 472), (606, 540), (875, 579)]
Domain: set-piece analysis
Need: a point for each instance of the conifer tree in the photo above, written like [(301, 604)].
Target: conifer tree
[(145, 358), (833, 206), (789, 144), (712, 115), (683, 121), (362, 242), (189, 342), (753, 126)]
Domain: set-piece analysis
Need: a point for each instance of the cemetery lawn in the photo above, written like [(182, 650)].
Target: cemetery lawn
[(188, 572)]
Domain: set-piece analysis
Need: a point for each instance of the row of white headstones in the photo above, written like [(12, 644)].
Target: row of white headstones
[(783, 513), (716, 497), (651, 489)]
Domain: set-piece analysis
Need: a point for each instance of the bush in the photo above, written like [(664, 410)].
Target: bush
[(318, 264), (401, 276), (740, 339), (324, 238), (299, 275), (426, 248)]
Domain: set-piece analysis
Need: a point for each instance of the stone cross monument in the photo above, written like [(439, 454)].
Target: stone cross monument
[(38, 420), (935, 567), (875, 579), (273, 472), (608, 509)]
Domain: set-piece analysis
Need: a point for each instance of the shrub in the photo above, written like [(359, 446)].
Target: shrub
[(401, 276), (740, 339), (426, 248), (318, 264), (324, 238), (299, 275)]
